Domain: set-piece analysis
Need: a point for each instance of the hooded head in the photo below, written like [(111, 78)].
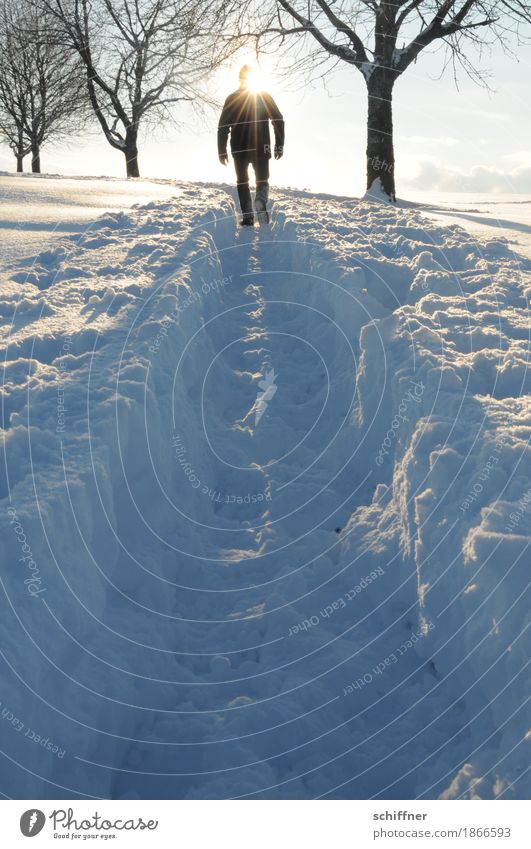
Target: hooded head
[(245, 75)]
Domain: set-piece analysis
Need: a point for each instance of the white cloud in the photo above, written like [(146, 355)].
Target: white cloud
[(447, 141), (432, 175), (519, 157)]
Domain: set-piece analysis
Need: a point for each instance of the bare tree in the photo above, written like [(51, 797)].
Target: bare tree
[(14, 94), (141, 57), (40, 93), (365, 34)]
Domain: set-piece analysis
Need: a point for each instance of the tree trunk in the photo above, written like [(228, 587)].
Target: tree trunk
[(380, 150), (35, 159), (19, 152), (131, 153)]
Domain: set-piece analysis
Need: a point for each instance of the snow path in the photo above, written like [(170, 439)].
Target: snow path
[(240, 460)]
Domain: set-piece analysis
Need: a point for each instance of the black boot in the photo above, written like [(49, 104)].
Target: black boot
[(246, 204), (260, 202)]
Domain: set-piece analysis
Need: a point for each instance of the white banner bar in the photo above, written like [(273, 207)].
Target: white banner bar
[(264, 824)]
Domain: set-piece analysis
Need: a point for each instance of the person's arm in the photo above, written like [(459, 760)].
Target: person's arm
[(275, 116), (223, 133)]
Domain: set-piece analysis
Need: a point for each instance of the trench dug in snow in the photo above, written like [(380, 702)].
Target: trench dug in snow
[(241, 460)]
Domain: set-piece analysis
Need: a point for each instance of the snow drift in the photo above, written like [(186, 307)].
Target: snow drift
[(266, 507)]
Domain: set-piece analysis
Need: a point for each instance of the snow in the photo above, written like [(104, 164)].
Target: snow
[(500, 216), (398, 52), (265, 505), (35, 207), (367, 69), (376, 192)]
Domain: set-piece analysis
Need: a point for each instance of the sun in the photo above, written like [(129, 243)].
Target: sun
[(255, 81)]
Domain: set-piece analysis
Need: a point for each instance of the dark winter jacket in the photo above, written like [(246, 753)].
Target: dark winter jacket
[(246, 116)]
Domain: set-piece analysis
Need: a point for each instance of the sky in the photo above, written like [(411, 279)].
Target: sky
[(445, 139)]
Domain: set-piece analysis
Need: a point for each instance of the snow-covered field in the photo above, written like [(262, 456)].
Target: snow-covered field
[(35, 209), (485, 216), (266, 504)]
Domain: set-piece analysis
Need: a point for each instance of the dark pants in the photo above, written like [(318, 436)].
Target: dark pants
[(261, 173)]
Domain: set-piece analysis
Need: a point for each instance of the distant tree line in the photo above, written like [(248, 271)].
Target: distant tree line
[(127, 65), (41, 89)]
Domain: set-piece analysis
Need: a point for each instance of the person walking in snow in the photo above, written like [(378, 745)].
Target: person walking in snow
[(246, 115)]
